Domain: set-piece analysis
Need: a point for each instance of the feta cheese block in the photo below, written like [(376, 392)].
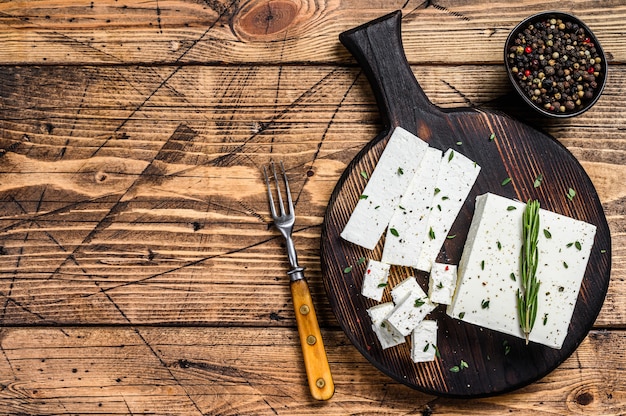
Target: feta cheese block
[(411, 310), (388, 182), (442, 283), (405, 288), (489, 270), (387, 335), (455, 179), (407, 227), (375, 280), (424, 341)]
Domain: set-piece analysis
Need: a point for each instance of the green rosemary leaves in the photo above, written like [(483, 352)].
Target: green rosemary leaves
[(527, 296)]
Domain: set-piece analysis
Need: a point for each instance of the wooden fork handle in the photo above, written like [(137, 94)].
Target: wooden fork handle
[(315, 361)]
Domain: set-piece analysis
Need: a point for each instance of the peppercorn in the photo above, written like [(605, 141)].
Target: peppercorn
[(556, 64)]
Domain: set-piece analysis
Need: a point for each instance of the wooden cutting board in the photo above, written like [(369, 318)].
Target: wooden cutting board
[(497, 363)]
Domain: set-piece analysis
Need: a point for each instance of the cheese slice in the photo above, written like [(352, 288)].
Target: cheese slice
[(442, 283), (488, 273), (388, 182), (455, 180), (407, 314), (405, 288), (408, 226), (424, 341), (375, 279), (387, 335)]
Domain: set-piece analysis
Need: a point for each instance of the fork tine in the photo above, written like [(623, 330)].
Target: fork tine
[(287, 190), (280, 198), (269, 193)]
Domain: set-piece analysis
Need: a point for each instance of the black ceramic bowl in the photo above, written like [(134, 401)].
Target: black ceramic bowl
[(556, 64)]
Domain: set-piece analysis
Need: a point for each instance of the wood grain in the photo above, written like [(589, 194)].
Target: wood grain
[(135, 245), (160, 233), (188, 31), (168, 370)]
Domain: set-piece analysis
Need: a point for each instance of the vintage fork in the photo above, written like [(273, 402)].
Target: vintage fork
[(315, 361)]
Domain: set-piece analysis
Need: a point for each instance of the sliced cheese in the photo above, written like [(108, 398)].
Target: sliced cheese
[(407, 314), (387, 335), (405, 288), (389, 180), (375, 280), (486, 292), (424, 341), (442, 283), (408, 225), (455, 180)]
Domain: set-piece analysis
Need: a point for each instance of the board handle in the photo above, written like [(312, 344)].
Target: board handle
[(377, 47)]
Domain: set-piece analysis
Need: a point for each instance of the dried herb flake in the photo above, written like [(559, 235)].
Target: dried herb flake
[(571, 193)]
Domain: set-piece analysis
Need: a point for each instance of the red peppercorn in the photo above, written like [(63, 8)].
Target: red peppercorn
[(528, 49), (527, 72), (587, 40), (591, 70)]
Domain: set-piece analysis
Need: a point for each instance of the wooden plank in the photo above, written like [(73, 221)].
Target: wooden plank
[(131, 139), (276, 32), (115, 210), (198, 370)]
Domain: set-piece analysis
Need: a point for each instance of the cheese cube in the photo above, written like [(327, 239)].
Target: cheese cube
[(375, 280), (387, 336), (489, 270), (455, 180), (407, 314), (424, 342), (442, 283), (389, 180), (408, 226), (405, 288)]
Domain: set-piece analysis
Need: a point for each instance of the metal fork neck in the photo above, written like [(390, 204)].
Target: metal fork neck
[(296, 274)]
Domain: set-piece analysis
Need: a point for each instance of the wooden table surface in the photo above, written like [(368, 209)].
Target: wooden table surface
[(139, 273)]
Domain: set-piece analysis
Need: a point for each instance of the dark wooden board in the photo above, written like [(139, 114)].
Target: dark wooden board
[(497, 363)]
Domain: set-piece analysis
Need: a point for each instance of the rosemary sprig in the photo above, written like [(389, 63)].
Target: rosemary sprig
[(527, 296)]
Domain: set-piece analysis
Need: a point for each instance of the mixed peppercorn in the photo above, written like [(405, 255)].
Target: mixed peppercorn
[(556, 64)]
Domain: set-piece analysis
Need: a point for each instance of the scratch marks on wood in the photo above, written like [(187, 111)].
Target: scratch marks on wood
[(168, 369), (167, 78), (233, 153), (323, 138), (219, 8), (8, 295), (447, 11), (276, 96), (158, 14), (432, 4), (171, 151), (73, 128), (458, 92), (61, 38)]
